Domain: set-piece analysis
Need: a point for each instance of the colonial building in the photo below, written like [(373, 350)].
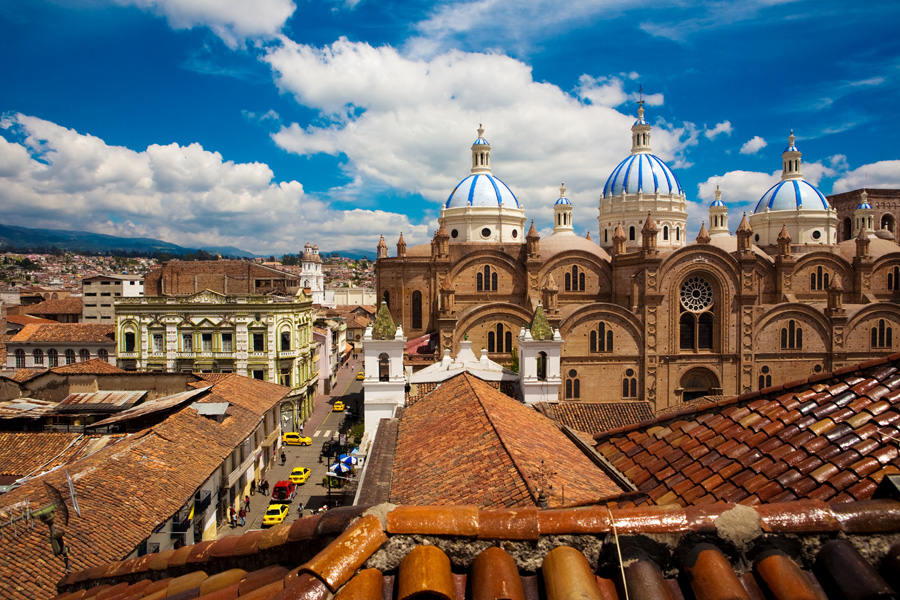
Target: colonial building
[(223, 316), (643, 314)]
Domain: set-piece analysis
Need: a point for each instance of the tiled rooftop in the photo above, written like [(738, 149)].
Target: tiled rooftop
[(88, 367), (60, 306), (594, 417), (27, 452), (833, 436), (88, 333), (179, 278), (801, 550), (468, 443)]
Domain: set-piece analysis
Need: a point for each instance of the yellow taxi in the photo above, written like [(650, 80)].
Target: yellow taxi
[(275, 514), (299, 475), (338, 406), (360, 375), (295, 439)]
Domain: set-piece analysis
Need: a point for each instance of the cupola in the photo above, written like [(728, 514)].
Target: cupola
[(562, 214)]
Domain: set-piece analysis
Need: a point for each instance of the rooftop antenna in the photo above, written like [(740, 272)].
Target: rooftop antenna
[(47, 515)]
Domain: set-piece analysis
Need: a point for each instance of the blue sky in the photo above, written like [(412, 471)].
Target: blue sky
[(271, 123)]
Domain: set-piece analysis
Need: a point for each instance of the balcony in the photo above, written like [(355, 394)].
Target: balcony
[(186, 354), (202, 500), (133, 355), (287, 354), (181, 522)]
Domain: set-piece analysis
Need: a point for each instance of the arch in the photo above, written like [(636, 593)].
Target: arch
[(70, 356), (697, 382), (592, 271), (816, 324), (542, 366), (84, 355), (103, 354), (887, 222), (384, 367), (485, 317), (807, 269), (417, 310)]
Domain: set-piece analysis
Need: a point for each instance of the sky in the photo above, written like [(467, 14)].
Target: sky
[(266, 124)]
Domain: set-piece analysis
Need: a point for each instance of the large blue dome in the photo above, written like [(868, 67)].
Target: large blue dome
[(792, 194), (645, 173), (481, 190)]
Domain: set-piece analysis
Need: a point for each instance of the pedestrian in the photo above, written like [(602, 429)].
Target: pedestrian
[(300, 509), (243, 515), (253, 487), (283, 458), (247, 503), (301, 428), (232, 516)]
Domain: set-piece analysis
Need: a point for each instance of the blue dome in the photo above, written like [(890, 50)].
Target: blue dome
[(864, 206), (717, 203), (481, 190), (563, 201), (642, 172), (792, 194), (481, 142)]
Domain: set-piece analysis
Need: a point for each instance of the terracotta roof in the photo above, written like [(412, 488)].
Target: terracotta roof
[(179, 278), (830, 437), (26, 319), (783, 551), (60, 306), (87, 333), (129, 488), (88, 367), (468, 443), (24, 452), (25, 408), (594, 417), (23, 375)]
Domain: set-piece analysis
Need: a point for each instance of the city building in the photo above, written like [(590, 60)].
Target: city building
[(48, 345), (226, 316), (100, 291), (886, 211), (643, 313)]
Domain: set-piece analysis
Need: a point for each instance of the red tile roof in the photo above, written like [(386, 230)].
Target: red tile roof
[(594, 417), (833, 436), (468, 443), (178, 278), (87, 333), (88, 367), (22, 453), (60, 306), (27, 319), (780, 551)]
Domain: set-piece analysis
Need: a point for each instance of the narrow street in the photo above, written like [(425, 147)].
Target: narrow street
[(323, 425)]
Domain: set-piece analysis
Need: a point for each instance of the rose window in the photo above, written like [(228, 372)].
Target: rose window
[(696, 294)]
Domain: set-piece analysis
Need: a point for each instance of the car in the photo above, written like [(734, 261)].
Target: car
[(329, 447), (275, 514), (360, 375), (299, 475), (284, 491), (338, 406), (295, 439)]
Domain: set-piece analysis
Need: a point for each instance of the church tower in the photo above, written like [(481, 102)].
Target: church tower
[(311, 273), (718, 215), (562, 214)]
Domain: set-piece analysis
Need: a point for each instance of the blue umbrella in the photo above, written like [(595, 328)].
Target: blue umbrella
[(347, 459), (339, 467)]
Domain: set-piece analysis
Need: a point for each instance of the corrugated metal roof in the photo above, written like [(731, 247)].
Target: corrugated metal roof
[(25, 408), (115, 398), (148, 408)]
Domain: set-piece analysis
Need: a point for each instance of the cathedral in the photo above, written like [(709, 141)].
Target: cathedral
[(644, 313)]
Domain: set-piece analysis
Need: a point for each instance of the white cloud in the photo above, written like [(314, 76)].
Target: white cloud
[(882, 174), (57, 178), (720, 128), (232, 20), (754, 145), (408, 123)]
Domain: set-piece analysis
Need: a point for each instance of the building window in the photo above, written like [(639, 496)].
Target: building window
[(70, 356), (575, 280), (158, 342), (129, 341), (285, 340), (103, 355), (696, 324), (187, 342), (573, 385), (631, 233), (38, 357), (602, 338), (52, 358), (677, 234), (486, 280), (417, 310), (542, 366), (259, 374), (501, 340), (666, 232), (384, 367), (259, 342), (20, 359), (882, 335), (206, 342), (893, 279), (629, 384), (84, 355), (226, 343), (818, 279), (286, 377), (791, 336), (765, 378)]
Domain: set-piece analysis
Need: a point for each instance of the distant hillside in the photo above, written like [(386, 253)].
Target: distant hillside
[(356, 254), (14, 238)]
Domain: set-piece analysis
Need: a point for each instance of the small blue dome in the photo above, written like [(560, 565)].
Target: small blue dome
[(642, 172), (864, 206), (563, 201), (481, 142), (717, 203), (481, 190), (792, 194)]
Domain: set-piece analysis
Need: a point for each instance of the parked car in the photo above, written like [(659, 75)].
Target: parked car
[(329, 447), (299, 475), (360, 375), (284, 491), (275, 514), (295, 439), (338, 406)]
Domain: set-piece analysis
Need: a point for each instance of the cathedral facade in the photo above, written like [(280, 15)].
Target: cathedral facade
[(645, 314)]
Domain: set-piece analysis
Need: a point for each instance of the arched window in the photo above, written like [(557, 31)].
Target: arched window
[(387, 299), (38, 357), (70, 356), (665, 232), (285, 341), (765, 378), (568, 286), (486, 280), (52, 358), (492, 342), (848, 229), (384, 367), (542, 366), (479, 282), (887, 222), (417, 310), (792, 336), (573, 385), (677, 234), (629, 384), (20, 359), (84, 355), (500, 339), (601, 338), (818, 279), (129, 341), (605, 236), (103, 354), (882, 335), (697, 322), (631, 233), (581, 281), (893, 279), (574, 280)]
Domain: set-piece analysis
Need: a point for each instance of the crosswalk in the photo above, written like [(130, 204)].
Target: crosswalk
[(326, 433)]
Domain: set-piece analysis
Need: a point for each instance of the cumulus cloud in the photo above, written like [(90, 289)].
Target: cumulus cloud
[(54, 177), (720, 128), (754, 145), (408, 122), (882, 174), (232, 20)]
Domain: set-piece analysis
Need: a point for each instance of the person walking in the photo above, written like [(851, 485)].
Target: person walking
[(283, 458), (243, 515), (232, 516), (247, 503)]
